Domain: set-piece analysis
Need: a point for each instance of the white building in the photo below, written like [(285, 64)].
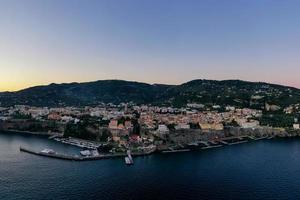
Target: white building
[(296, 126), (182, 126), (248, 124)]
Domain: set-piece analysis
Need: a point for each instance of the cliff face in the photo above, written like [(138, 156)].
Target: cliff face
[(192, 135), (31, 126)]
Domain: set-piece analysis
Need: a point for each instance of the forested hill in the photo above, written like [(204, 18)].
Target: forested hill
[(208, 92)]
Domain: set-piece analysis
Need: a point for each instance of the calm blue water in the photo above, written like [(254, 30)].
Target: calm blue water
[(258, 170)]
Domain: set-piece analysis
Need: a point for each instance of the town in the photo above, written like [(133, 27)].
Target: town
[(109, 129)]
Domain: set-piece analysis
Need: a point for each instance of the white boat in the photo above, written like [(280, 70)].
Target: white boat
[(85, 153), (129, 156), (95, 152), (128, 161), (48, 151)]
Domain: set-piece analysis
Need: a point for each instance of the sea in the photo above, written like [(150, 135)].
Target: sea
[(266, 169)]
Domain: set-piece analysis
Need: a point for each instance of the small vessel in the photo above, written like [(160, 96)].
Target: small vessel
[(129, 156), (128, 161), (193, 144), (95, 153), (85, 153), (48, 151)]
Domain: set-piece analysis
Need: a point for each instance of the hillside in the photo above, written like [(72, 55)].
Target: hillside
[(108, 91), (232, 92), (209, 92)]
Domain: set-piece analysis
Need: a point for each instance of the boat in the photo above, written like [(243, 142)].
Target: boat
[(48, 151), (128, 161), (193, 144), (85, 153), (129, 156), (95, 153)]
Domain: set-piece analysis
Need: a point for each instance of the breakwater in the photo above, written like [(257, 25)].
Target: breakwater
[(80, 158)]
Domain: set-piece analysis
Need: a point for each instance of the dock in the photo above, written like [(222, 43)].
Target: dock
[(80, 158), (239, 142), (176, 151), (53, 155), (211, 147), (223, 142), (261, 138)]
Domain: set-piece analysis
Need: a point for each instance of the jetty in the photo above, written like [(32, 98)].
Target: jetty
[(81, 158), (212, 146), (52, 155), (223, 142), (238, 142), (261, 138), (176, 151)]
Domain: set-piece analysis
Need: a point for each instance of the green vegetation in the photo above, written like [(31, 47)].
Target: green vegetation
[(136, 127), (277, 120), (86, 129), (123, 119), (104, 136), (232, 123), (18, 115), (104, 122), (171, 127), (194, 126)]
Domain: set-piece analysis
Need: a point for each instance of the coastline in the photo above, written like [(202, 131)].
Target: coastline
[(136, 154), (222, 142)]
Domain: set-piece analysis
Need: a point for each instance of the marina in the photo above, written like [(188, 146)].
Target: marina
[(78, 142), (89, 150)]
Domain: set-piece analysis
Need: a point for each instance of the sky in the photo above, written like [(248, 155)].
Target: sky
[(153, 41)]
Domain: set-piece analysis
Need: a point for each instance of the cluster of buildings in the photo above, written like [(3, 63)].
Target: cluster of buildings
[(204, 120), (121, 120)]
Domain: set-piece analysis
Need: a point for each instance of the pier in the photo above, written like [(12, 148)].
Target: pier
[(213, 146), (80, 158), (176, 151), (54, 155)]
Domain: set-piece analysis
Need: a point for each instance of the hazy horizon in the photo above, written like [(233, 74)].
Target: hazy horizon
[(168, 42)]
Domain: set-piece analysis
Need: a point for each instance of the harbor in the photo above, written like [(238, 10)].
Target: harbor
[(89, 150), (90, 175)]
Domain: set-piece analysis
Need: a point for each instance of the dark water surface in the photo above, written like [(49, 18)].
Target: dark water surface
[(267, 169)]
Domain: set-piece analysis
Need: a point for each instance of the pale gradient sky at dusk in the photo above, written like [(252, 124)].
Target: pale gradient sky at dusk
[(154, 41)]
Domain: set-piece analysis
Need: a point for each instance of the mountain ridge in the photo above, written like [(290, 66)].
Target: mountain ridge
[(232, 92)]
